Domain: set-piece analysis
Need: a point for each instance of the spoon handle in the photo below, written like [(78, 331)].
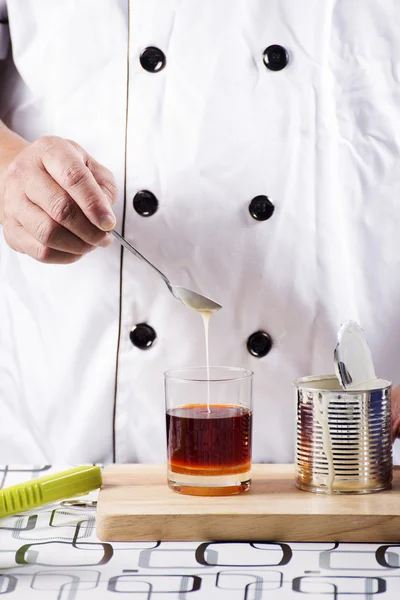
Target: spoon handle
[(129, 247)]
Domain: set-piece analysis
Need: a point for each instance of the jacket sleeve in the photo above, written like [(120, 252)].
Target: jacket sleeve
[(4, 30)]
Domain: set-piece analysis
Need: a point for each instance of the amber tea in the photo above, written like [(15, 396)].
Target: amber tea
[(212, 442)]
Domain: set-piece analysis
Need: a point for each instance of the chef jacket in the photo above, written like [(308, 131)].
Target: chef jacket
[(256, 150)]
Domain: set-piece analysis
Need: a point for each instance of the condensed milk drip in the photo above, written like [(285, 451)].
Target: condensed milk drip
[(321, 415), (206, 321), (206, 308)]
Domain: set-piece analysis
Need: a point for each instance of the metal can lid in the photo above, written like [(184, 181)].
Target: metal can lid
[(353, 362)]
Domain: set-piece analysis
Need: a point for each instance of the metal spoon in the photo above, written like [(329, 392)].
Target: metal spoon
[(187, 297)]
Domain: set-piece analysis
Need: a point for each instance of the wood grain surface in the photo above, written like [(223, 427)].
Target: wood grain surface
[(136, 504)]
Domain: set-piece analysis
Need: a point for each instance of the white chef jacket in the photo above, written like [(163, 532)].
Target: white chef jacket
[(209, 130)]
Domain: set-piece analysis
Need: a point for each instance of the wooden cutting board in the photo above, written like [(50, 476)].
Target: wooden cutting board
[(136, 504)]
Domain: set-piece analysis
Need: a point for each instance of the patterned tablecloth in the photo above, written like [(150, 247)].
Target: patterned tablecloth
[(54, 553)]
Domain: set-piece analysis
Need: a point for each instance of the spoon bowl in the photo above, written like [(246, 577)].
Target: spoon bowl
[(194, 300)]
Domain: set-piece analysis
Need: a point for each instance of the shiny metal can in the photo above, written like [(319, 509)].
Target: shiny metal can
[(343, 437)]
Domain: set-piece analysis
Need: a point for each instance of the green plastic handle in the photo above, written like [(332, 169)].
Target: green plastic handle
[(34, 493)]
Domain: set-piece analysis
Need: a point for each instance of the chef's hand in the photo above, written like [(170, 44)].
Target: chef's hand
[(56, 201), (396, 412)]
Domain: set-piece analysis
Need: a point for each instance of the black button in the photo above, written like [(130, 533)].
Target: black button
[(261, 208), (142, 336), (259, 344), (275, 57), (145, 203), (152, 59)]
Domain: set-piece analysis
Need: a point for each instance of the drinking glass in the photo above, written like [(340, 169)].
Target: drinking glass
[(209, 427)]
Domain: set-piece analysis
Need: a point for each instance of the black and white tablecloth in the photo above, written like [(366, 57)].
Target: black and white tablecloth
[(53, 553)]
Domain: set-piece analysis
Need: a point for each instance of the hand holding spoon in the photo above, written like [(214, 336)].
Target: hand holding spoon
[(188, 297)]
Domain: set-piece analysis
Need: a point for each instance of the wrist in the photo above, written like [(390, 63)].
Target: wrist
[(11, 144)]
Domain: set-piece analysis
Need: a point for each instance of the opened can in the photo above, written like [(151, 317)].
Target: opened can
[(343, 437)]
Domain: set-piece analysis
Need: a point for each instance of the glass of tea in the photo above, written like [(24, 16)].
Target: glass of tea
[(209, 427)]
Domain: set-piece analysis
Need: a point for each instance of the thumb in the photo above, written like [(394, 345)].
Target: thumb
[(396, 412)]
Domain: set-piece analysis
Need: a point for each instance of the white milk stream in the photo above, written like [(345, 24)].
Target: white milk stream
[(206, 314), (206, 308)]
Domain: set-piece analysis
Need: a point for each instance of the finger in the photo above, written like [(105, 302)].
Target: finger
[(67, 167), (102, 175), (22, 241), (104, 178), (44, 192), (47, 231)]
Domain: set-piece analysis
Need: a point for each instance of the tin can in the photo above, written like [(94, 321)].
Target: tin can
[(343, 437)]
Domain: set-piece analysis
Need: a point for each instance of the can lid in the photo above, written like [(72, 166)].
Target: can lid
[(354, 366)]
